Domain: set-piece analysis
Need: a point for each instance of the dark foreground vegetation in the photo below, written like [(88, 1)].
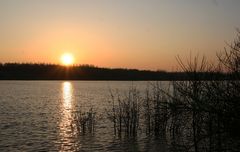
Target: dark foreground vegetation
[(193, 115), (29, 71)]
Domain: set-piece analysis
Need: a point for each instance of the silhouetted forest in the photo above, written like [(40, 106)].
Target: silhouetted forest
[(30, 71)]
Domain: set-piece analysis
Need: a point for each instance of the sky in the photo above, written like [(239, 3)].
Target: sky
[(142, 34)]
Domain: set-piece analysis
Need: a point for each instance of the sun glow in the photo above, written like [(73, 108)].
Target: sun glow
[(67, 59)]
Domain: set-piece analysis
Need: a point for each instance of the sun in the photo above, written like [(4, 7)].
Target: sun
[(67, 59)]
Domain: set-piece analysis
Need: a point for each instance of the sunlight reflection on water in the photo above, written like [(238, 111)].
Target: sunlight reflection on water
[(67, 92), (66, 128)]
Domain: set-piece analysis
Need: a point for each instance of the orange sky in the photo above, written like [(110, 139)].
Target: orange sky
[(137, 34)]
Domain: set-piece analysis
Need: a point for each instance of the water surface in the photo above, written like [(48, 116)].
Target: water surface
[(38, 116)]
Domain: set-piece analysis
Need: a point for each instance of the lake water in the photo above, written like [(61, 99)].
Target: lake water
[(37, 116)]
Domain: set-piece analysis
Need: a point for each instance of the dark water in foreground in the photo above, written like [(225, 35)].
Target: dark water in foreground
[(37, 116)]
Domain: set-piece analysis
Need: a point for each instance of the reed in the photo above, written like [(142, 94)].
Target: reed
[(85, 121), (155, 110), (125, 112)]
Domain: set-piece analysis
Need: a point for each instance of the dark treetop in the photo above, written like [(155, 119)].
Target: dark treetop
[(27, 71)]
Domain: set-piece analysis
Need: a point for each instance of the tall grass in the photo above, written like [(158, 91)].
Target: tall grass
[(155, 110), (85, 121), (125, 113)]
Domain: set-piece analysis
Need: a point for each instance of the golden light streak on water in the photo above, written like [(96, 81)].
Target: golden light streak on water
[(67, 92), (66, 123)]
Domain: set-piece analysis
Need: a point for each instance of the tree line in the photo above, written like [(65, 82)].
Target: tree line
[(36, 71)]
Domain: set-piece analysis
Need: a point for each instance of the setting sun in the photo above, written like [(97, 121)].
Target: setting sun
[(67, 59)]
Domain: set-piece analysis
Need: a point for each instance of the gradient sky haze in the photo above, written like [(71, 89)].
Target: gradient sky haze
[(143, 34)]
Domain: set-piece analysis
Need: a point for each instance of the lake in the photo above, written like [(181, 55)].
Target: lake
[(38, 116)]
